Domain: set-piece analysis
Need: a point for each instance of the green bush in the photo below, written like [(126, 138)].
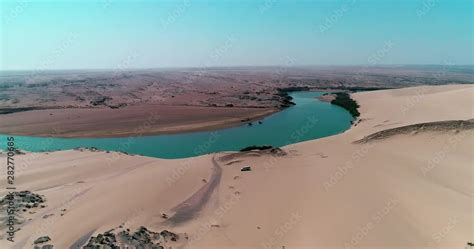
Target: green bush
[(345, 101)]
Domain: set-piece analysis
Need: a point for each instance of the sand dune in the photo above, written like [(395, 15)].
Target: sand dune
[(406, 190)]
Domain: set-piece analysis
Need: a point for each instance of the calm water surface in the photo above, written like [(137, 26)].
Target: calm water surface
[(308, 119)]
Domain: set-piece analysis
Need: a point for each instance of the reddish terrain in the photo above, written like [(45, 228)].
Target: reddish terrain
[(119, 103)]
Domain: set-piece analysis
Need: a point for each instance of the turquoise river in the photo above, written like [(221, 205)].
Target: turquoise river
[(309, 119)]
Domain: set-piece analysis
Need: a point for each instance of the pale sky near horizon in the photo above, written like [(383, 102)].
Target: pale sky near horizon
[(152, 34)]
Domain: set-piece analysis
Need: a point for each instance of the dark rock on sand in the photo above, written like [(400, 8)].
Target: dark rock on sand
[(22, 201), (102, 241), (44, 247), (42, 239), (248, 168), (169, 235), (141, 238)]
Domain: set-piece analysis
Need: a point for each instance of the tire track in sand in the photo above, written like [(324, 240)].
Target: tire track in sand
[(191, 206)]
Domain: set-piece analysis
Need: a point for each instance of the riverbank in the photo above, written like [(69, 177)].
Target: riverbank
[(137, 120), (327, 193), (309, 119)]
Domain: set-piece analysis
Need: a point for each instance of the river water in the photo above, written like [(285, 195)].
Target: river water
[(309, 119)]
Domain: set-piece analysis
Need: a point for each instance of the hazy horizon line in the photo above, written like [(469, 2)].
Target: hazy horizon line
[(235, 66)]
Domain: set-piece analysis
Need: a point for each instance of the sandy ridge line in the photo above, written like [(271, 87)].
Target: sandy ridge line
[(421, 127)]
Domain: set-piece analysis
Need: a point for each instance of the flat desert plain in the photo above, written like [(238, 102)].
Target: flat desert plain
[(402, 177)]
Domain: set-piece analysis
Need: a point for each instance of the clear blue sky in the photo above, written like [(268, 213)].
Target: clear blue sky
[(150, 34)]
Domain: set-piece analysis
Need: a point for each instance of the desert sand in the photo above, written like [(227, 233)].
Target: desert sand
[(412, 188)]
